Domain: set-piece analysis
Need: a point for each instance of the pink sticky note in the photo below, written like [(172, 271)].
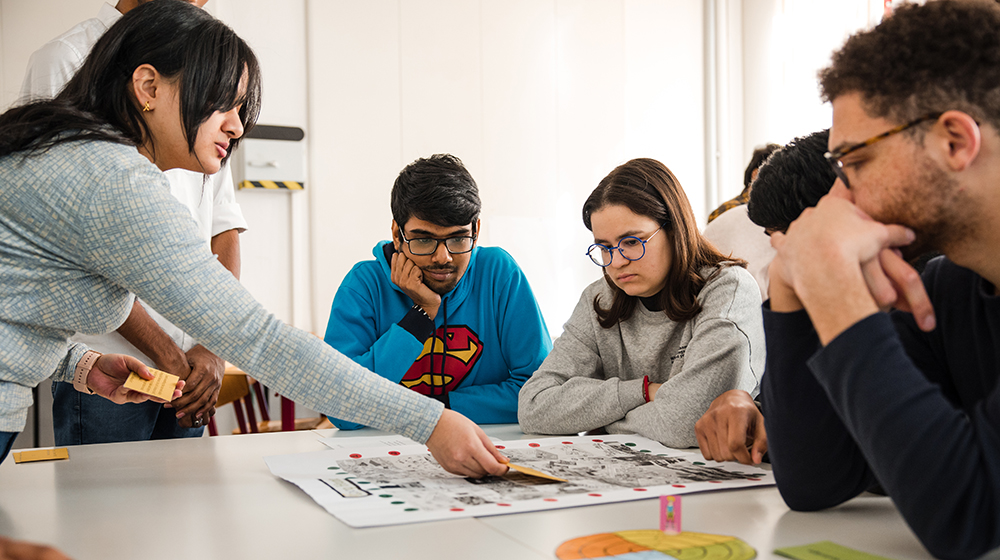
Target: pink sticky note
[(670, 514)]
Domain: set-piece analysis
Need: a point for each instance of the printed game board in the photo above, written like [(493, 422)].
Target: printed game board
[(388, 485)]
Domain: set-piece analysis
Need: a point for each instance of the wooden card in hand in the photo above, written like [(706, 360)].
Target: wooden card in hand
[(161, 386)]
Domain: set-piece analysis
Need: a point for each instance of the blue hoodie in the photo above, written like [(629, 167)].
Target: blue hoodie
[(494, 333)]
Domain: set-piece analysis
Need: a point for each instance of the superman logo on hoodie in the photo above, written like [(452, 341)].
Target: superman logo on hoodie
[(447, 358)]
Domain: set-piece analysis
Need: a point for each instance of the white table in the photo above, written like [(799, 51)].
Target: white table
[(215, 498)]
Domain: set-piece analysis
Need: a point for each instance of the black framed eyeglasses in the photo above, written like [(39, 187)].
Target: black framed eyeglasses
[(834, 157), (631, 248), (429, 245)]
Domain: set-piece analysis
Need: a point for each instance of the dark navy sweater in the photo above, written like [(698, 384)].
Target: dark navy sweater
[(885, 403)]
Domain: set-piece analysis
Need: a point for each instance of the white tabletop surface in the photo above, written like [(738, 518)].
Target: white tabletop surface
[(215, 498)]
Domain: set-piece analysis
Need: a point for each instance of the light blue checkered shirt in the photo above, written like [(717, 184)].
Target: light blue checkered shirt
[(85, 224)]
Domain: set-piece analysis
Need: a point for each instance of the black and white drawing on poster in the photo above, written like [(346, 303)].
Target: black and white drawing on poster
[(376, 486)]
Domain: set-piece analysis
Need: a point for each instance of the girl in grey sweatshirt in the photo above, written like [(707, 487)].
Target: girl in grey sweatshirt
[(672, 325)]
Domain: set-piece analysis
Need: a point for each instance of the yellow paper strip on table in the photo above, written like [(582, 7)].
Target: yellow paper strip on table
[(532, 472), (41, 455), (161, 386)]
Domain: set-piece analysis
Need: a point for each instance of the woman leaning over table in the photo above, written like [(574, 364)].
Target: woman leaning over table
[(670, 326), (87, 219)]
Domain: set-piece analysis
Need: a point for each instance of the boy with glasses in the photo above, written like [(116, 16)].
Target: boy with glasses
[(434, 312)]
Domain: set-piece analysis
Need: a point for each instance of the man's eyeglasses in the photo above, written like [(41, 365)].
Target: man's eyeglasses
[(833, 158), (631, 248), (429, 245)]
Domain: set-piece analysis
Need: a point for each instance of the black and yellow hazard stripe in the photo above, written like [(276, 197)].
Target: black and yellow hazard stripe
[(272, 185)]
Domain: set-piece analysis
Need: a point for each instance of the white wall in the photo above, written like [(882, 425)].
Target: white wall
[(785, 44), (540, 99), (276, 264), (26, 25)]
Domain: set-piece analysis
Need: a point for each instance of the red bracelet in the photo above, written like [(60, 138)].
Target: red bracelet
[(645, 387)]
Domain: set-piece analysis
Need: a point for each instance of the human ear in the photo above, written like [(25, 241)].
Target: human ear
[(395, 236), (960, 134), (145, 81)]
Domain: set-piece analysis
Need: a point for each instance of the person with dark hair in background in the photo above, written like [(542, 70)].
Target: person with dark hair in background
[(792, 179), (908, 399), (670, 326), (87, 220), (436, 313), (81, 419), (759, 156)]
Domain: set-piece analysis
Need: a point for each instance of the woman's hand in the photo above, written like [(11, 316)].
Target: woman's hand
[(109, 374), (461, 447)]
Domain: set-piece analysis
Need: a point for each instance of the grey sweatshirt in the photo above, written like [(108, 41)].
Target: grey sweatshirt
[(593, 377)]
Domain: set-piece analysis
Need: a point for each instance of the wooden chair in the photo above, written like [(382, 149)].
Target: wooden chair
[(242, 390)]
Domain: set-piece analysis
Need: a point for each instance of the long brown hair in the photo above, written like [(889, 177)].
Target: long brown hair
[(647, 188)]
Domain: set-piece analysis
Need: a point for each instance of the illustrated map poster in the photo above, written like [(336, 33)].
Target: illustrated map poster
[(389, 485)]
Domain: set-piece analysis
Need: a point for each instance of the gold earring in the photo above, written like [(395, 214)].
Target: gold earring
[(146, 109)]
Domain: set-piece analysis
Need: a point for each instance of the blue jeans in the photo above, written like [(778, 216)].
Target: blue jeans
[(79, 419), (6, 442)]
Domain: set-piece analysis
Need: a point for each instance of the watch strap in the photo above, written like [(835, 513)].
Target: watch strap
[(82, 371)]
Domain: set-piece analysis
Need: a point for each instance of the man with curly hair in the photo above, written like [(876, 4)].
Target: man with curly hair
[(908, 399)]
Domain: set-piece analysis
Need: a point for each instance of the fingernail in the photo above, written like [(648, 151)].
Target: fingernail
[(180, 415)]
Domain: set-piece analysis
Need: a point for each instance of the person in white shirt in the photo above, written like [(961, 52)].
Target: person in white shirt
[(79, 418), (731, 231), (734, 234)]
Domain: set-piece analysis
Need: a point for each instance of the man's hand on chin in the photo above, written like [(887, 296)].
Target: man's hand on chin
[(841, 265)]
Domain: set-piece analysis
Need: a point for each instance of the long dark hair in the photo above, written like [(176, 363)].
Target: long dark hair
[(647, 188), (182, 42)]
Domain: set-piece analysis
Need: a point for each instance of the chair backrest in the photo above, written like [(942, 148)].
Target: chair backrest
[(249, 400), (236, 390)]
